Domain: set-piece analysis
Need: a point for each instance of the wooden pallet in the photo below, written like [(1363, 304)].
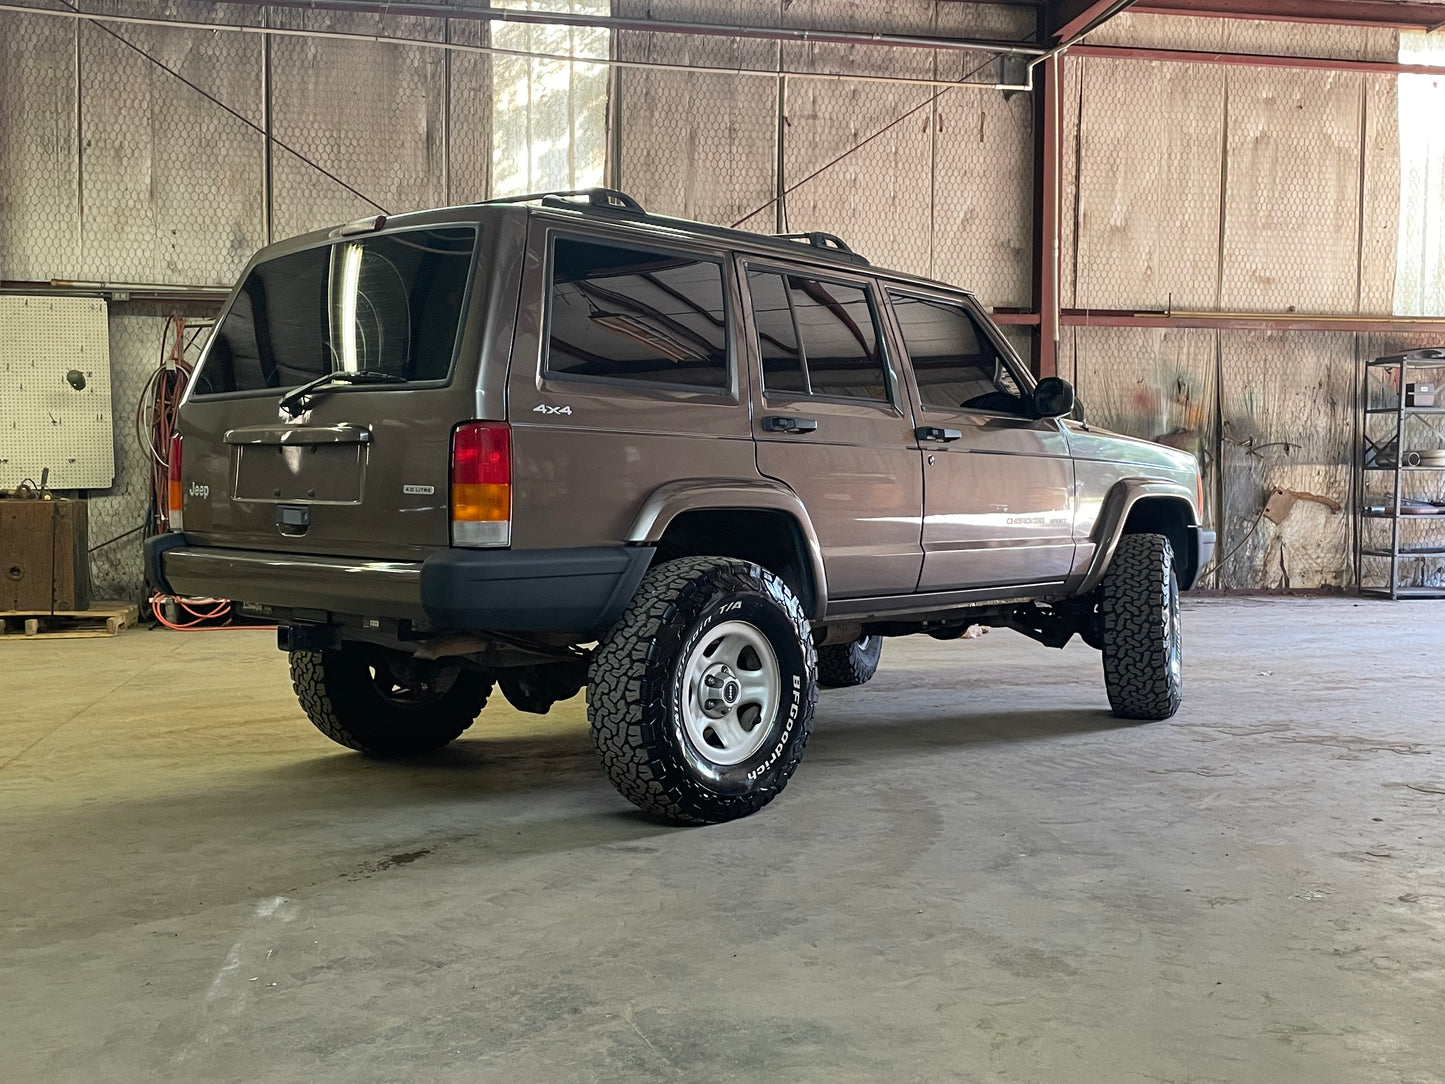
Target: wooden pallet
[(102, 619)]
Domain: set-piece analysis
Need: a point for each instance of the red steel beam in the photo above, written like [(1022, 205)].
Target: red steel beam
[(1264, 321), (1400, 14), (1048, 152), (1255, 60)]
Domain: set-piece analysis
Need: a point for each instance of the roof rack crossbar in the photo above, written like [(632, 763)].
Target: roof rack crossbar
[(608, 198)]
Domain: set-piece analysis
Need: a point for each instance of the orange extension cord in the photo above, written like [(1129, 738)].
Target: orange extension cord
[(155, 413)]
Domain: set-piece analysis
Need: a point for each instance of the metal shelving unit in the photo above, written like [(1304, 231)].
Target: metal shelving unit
[(1416, 432)]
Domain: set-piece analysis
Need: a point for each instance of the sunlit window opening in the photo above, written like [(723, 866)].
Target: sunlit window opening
[(549, 116), (1420, 259)]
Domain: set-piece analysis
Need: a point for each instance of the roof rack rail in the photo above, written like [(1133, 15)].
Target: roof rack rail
[(606, 198), (828, 241)]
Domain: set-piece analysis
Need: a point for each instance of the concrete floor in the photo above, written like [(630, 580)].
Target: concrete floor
[(977, 874)]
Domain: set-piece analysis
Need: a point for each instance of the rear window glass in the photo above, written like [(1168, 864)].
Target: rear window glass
[(390, 303), (622, 313)]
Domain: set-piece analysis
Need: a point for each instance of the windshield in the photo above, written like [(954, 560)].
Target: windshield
[(390, 303)]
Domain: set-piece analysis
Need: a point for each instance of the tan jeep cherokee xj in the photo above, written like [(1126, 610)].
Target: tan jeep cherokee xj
[(555, 442)]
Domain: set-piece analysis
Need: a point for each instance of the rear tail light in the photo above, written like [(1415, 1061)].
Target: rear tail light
[(482, 484), (174, 515)]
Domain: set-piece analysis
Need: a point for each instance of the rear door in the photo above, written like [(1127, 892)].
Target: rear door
[(832, 423), (999, 483), (361, 469)]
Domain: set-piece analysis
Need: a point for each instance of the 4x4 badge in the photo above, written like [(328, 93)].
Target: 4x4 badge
[(545, 409)]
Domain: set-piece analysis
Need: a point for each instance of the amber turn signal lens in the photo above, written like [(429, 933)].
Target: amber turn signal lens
[(481, 501)]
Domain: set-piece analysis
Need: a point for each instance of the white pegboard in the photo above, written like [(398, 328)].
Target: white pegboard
[(44, 421)]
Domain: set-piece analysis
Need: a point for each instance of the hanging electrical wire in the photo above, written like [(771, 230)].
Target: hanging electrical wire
[(155, 416), (155, 423)]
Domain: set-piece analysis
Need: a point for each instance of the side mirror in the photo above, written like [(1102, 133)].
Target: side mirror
[(1053, 397)]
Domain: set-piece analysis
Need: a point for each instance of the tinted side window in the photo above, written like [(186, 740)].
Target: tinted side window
[(629, 314), (816, 337), (954, 362)]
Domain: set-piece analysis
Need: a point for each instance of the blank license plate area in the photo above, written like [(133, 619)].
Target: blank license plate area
[(316, 473)]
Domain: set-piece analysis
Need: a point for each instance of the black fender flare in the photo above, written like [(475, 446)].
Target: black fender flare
[(672, 499)]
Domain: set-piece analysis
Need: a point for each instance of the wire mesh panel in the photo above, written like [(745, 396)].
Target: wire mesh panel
[(118, 224), (1420, 284), (880, 195), (469, 115), (1147, 204), (171, 182), (371, 114), (983, 164), (1381, 200), (698, 145), (1307, 39), (982, 195), (39, 152), (1292, 191), (857, 156), (1071, 86)]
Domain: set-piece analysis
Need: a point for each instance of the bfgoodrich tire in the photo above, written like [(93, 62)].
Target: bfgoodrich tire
[(384, 703), (701, 696), (1139, 617), (841, 666)]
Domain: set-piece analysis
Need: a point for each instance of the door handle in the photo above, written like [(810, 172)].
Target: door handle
[(774, 424), (934, 432)]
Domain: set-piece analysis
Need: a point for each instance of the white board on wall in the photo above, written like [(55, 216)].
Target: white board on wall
[(45, 421)]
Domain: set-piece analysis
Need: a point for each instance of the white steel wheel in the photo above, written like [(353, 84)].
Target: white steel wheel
[(730, 692)]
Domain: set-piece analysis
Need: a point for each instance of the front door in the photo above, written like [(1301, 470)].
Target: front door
[(831, 422), (999, 501)]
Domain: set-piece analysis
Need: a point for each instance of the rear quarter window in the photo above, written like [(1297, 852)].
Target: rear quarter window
[(632, 314)]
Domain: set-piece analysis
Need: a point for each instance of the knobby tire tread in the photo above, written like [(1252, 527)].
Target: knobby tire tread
[(1133, 616), (334, 706), (628, 692), (843, 666)]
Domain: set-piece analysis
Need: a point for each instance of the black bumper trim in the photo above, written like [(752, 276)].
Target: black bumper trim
[(580, 590), (155, 551), (1202, 542)]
